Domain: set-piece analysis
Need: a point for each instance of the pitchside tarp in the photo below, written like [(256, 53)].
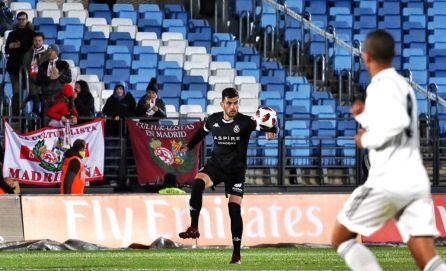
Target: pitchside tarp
[(36, 157)]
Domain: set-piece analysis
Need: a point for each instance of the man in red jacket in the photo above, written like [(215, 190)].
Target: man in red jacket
[(64, 110)]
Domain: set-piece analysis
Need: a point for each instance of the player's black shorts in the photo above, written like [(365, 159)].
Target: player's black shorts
[(234, 183)]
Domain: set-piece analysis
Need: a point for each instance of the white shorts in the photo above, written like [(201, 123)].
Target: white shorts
[(368, 209)]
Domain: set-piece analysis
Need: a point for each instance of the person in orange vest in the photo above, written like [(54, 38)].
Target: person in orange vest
[(72, 179), (8, 186)]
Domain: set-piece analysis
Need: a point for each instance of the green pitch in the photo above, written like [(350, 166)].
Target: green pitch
[(199, 259)]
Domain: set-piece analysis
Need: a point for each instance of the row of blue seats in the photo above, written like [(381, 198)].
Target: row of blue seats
[(304, 151)]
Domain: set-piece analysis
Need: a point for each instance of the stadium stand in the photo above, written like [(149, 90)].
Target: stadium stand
[(193, 63)]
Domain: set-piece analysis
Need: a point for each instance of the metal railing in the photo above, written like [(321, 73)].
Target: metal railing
[(333, 38), (245, 15), (269, 32), (23, 92), (297, 58), (345, 73), (290, 160), (221, 6)]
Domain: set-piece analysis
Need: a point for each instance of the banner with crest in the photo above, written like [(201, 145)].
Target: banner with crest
[(158, 150), (36, 157)]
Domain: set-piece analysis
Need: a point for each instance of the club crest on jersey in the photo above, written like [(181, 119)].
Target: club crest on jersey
[(236, 129)]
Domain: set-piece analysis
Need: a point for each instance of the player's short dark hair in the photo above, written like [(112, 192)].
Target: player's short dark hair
[(229, 93), (380, 45), (39, 34), (21, 13)]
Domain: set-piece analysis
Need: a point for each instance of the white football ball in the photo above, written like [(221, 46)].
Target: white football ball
[(266, 117)]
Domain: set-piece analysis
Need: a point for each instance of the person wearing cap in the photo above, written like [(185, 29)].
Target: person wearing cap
[(51, 77), (17, 44), (150, 106), (120, 105), (72, 180), (63, 111)]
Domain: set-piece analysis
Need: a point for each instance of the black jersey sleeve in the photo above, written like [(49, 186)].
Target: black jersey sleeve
[(200, 134)]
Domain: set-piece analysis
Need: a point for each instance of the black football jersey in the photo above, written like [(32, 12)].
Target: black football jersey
[(231, 140)]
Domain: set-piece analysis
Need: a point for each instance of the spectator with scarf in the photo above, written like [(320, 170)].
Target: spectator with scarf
[(33, 58), (63, 111)]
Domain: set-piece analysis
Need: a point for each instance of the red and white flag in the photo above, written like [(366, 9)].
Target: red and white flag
[(36, 157)]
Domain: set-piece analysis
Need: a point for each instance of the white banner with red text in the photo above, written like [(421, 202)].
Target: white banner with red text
[(36, 157)]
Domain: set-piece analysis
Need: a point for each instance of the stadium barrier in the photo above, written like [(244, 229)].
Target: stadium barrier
[(120, 220), (11, 226)]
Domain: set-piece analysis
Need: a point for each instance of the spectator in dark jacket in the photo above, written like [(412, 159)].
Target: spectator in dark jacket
[(150, 106), (120, 105), (17, 44), (33, 58), (52, 75), (84, 101), (64, 110)]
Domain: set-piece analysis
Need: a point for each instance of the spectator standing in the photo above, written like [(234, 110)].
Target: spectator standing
[(150, 106), (72, 180), (19, 41), (84, 102), (33, 58), (64, 110), (51, 77), (120, 105)]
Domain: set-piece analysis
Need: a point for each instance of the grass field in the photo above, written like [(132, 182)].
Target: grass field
[(198, 259)]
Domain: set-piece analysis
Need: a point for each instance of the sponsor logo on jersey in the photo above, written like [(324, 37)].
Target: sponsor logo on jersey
[(236, 129), (237, 187), (226, 140), (216, 125)]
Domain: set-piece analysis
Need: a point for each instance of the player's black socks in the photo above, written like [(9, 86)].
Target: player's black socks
[(195, 202), (236, 225)]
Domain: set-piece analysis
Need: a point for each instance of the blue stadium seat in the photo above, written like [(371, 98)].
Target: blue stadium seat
[(96, 39), (415, 22), (69, 51), (148, 7), (390, 22), (122, 7), (317, 7), (269, 150), (132, 15), (122, 38), (347, 150), (99, 10), (390, 8), (242, 6)]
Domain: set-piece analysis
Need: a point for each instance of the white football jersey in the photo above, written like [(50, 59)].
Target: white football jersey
[(392, 137)]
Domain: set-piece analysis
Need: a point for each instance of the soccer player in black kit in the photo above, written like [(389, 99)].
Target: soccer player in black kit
[(231, 131)]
